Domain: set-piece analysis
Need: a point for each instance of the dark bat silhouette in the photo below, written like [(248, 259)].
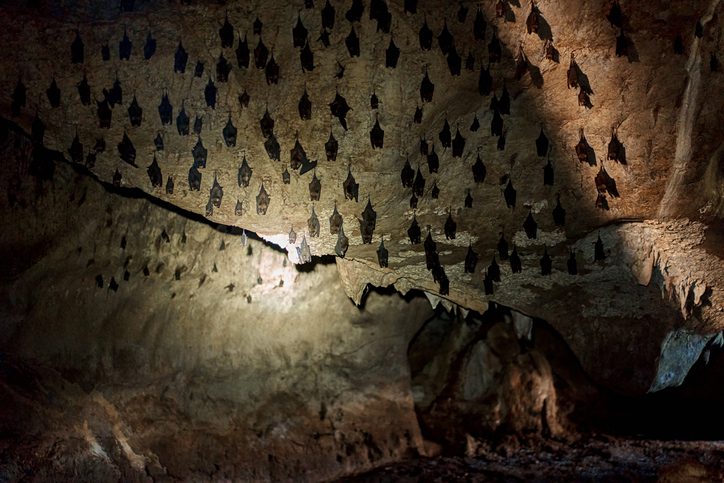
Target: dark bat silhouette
[(242, 53), (515, 264), (559, 213), (339, 109), (427, 88), (413, 232), (272, 148), (77, 50), (182, 121), (530, 226), (216, 193), (244, 99), (158, 142), (306, 58), (313, 224), (548, 174), (76, 150), (53, 93), (239, 208), (454, 61), (494, 270), (37, 130), (392, 54), (479, 170), (417, 118), (368, 223), (315, 188), (382, 254), (135, 113), (298, 155), (599, 253), (266, 123), (471, 260), (149, 48), (572, 264), (374, 101), (496, 124), (485, 81), (445, 135), (450, 227), (169, 185), (546, 264), (226, 33), (475, 125), (331, 147), (262, 201), (541, 144), (470, 62), (244, 174), (433, 160), (257, 26), (125, 46), (229, 133), (445, 40), (199, 153), (435, 191), (299, 33), (328, 14), (350, 187), (425, 36), (352, 43), (210, 94), (502, 247), (418, 186), (117, 178), (84, 91), (479, 26), (223, 69), (324, 37), (272, 71), (335, 221), (616, 151), (165, 110), (126, 150), (194, 178), (104, 114), (495, 49), (468, 200), (509, 194), (354, 14), (180, 58), (342, 243), (261, 54), (154, 173), (198, 124), (377, 135), (462, 13), (532, 23), (458, 145), (286, 177)]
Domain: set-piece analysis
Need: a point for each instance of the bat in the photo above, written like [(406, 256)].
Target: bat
[(335, 221), (479, 25), (485, 81), (450, 227), (479, 170), (495, 50), (374, 101), (541, 144), (532, 23), (368, 223), (210, 94), (244, 174), (546, 264), (425, 36), (199, 153), (261, 54), (413, 202), (315, 188), (331, 147), (509, 194), (559, 213), (242, 53), (180, 58), (229, 133), (53, 93), (515, 264), (257, 26), (198, 124), (226, 33), (470, 62), (454, 61), (599, 253), (339, 108), (266, 123), (494, 270), (418, 186), (413, 232), (352, 43), (475, 125), (502, 247), (328, 14), (342, 243), (417, 117), (135, 112), (104, 114), (126, 150), (433, 160), (306, 58), (377, 135), (165, 110), (216, 193), (313, 224), (244, 99), (223, 69), (354, 14), (572, 264), (158, 142), (471, 260), (125, 46), (298, 155), (350, 187), (286, 177), (271, 145), (84, 92), (105, 53), (445, 135), (169, 185), (182, 122), (548, 174), (272, 71), (469, 200), (76, 149), (435, 191), (392, 54), (299, 33), (458, 145), (77, 49), (427, 88), (530, 226), (154, 173), (262, 201), (149, 48), (382, 254)]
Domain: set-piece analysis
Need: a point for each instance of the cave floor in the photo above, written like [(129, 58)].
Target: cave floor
[(600, 458)]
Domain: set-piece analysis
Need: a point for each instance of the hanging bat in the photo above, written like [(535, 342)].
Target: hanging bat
[(496, 124), (242, 53), (182, 121), (475, 125), (229, 133), (382, 254), (104, 114), (616, 151), (445, 39), (530, 226), (135, 113), (127, 151), (266, 123), (272, 71), (352, 43), (469, 200), (342, 243), (602, 202), (335, 221), (445, 136), (504, 102), (324, 37), (209, 208), (226, 33), (479, 26), (582, 150), (418, 186), (454, 62), (194, 178), (149, 48), (621, 45), (431, 257), (261, 54), (470, 62), (165, 110), (76, 150), (413, 232), (53, 93), (559, 213), (199, 153), (433, 160), (354, 14), (331, 147), (180, 58), (210, 92), (380, 13), (84, 92), (257, 26), (521, 63), (572, 75), (494, 270), (377, 135), (501, 140), (495, 50), (238, 211), (427, 88), (244, 99), (306, 58), (509, 194), (417, 117), (303, 251), (541, 144), (298, 155), (124, 46), (502, 247), (292, 236), (546, 264), (458, 145), (488, 286), (532, 23), (615, 15), (223, 69), (244, 174), (485, 81), (272, 148), (413, 202), (599, 253), (435, 191), (479, 170), (339, 108), (471, 260), (515, 264), (154, 173), (572, 264), (584, 99), (105, 53), (392, 54), (299, 33), (605, 183), (368, 223), (462, 13), (425, 36), (350, 187), (423, 146), (198, 124), (450, 227), (548, 174), (286, 177), (374, 101), (262, 201), (315, 188), (313, 224), (158, 142), (77, 49), (328, 14)]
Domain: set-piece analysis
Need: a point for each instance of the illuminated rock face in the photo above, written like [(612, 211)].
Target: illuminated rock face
[(637, 319)]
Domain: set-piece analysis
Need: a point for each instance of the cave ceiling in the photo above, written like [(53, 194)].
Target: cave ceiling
[(579, 135)]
